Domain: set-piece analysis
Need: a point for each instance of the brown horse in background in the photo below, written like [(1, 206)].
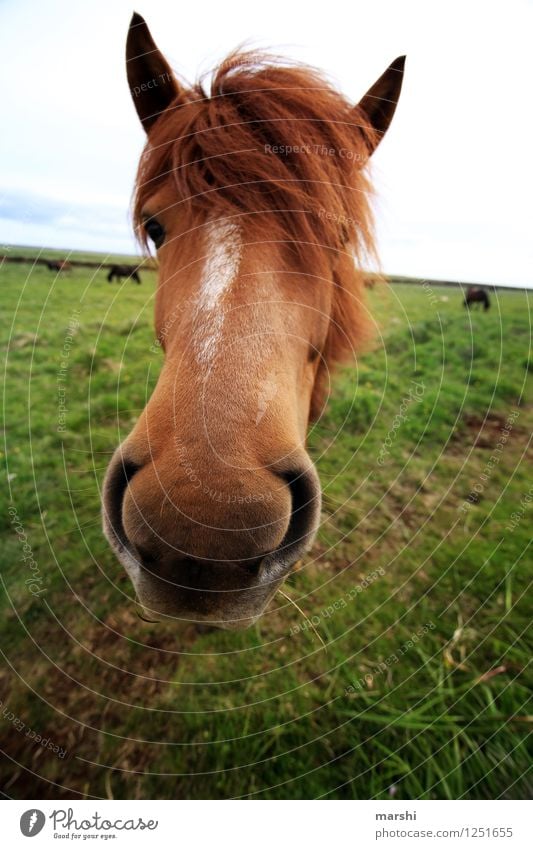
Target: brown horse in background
[(58, 265), (477, 295), (256, 197), (119, 271)]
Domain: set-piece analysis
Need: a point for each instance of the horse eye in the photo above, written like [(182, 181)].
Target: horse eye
[(155, 231)]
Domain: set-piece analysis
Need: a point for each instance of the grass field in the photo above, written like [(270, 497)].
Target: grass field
[(412, 682)]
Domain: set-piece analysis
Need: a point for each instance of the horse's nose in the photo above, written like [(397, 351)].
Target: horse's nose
[(234, 545), (167, 516)]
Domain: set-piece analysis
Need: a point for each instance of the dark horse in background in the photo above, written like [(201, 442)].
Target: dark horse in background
[(477, 295), (58, 265), (120, 271)]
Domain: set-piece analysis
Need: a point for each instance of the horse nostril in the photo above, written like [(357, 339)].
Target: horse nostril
[(147, 558), (251, 565), (120, 473), (305, 517)]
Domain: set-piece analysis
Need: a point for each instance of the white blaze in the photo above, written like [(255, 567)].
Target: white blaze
[(224, 252)]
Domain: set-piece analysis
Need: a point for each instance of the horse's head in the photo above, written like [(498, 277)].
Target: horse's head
[(256, 199)]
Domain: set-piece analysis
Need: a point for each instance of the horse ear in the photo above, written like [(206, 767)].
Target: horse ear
[(379, 103), (152, 84)]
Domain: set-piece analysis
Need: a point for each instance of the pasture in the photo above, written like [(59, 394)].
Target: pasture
[(401, 669)]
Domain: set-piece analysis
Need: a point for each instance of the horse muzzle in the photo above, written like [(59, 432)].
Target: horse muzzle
[(224, 575)]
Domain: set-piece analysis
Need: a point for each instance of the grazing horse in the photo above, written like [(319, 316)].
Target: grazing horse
[(58, 265), (477, 295), (119, 271), (256, 198)]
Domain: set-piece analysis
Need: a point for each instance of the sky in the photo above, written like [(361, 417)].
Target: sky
[(453, 176)]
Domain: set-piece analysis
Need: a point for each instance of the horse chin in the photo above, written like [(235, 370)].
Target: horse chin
[(163, 600), (233, 611), (235, 622)]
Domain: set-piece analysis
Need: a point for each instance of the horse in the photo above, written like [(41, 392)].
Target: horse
[(58, 265), (477, 295), (120, 271), (255, 195)]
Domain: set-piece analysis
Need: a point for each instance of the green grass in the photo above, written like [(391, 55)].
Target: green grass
[(150, 710), (66, 253)]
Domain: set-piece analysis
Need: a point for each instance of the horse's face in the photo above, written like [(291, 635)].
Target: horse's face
[(212, 498)]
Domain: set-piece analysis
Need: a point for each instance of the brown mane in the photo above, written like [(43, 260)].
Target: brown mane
[(219, 151)]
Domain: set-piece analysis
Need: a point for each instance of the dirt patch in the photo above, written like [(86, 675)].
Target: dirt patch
[(485, 433)]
